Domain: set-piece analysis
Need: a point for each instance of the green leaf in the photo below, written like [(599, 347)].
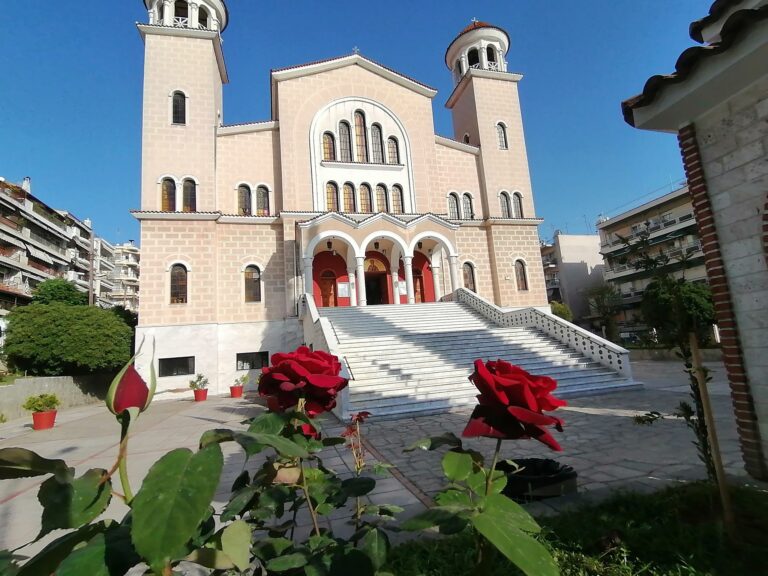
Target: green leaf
[(525, 552), (333, 441), (23, 463), (432, 517), (359, 486), (386, 510), (269, 548), (457, 466), (268, 423), (211, 558), (287, 562), (107, 554), (236, 543), (173, 501), (476, 481), (241, 481), (239, 503), (376, 546), (352, 561), (252, 442), (453, 498), (447, 439), (8, 564), (73, 504), (49, 558), (498, 505)]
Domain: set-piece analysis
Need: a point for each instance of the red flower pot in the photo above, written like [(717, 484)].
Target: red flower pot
[(43, 420), (236, 391), (200, 395)]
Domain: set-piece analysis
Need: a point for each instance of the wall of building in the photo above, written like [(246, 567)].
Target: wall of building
[(580, 268)]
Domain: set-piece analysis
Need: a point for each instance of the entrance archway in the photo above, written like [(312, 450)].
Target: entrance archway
[(328, 296), (378, 283), (329, 270)]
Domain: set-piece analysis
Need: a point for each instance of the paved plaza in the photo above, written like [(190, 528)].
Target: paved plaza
[(601, 441)]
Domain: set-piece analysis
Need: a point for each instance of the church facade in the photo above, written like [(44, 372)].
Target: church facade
[(345, 193)]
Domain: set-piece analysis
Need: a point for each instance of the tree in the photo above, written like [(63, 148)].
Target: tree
[(605, 302), (58, 339), (128, 316), (59, 290), (561, 310)]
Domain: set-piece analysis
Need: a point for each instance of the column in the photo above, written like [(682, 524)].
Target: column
[(436, 282), (395, 287), (362, 300), (308, 275), (193, 16), (483, 57), (152, 19), (352, 287), (464, 64), (408, 265), (453, 268), (169, 12)]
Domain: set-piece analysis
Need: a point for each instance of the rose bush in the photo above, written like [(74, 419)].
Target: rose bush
[(511, 404)]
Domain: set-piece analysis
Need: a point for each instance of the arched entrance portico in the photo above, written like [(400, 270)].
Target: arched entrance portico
[(378, 280)]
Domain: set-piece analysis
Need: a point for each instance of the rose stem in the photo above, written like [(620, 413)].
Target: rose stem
[(489, 479), (125, 423), (309, 499)]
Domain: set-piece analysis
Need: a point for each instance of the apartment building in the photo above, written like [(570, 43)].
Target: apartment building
[(125, 276), (672, 229)]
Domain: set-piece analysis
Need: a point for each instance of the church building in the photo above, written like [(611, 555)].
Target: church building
[(345, 193)]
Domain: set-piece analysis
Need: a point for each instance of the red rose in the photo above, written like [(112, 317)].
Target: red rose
[(511, 404), (313, 376)]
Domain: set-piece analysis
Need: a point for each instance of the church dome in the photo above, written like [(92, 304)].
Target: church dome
[(479, 45), (202, 14)]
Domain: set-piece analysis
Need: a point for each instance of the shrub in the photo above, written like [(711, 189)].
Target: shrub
[(59, 290), (58, 339), (41, 403), (3, 419), (199, 383), (562, 310)]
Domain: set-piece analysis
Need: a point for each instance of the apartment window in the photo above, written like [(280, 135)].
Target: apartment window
[(397, 199), (329, 147), (381, 198), (332, 197), (366, 202), (469, 213), (251, 360), (189, 191), (178, 284), (243, 200), (181, 366), (252, 284), (517, 205), (262, 201), (506, 208), (348, 193), (345, 142), (179, 105), (501, 134), (520, 275), (453, 206), (377, 144), (169, 195), (361, 138), (393, 150)]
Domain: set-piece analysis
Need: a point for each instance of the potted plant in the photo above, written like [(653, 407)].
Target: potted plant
[(200, 387), (236, 390), (43, 408)]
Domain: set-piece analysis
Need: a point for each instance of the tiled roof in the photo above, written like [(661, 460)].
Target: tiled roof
[(734, 29), (718, 8)]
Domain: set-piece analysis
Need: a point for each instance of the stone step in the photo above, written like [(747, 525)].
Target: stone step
[(449, 339), (487, 351), (370, 369)]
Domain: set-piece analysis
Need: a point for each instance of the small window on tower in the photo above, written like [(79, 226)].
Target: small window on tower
[(179, 108)]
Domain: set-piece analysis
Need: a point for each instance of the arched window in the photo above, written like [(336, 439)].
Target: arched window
[(348, 201), (466, 138), (490, 53), (473, 58), (397, 199), (361, 138), (457, 71), (393, 150), (182, 13), (520, 275), (506, 208), (453, 207), (329, 147), (517, 205), (366, 202), (169, 195), (243, 200), (468, 212), (252, 284), (262, 201), (179, 108), (331, 197), (469, 276), (501, 133), (189, 196), (178, 284), (381, 198), (377, 144), (202, 17), (345, 142)]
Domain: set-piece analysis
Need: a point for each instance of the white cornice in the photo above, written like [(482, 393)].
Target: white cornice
[(476, 72), (351, 60), (511, 222), (178, 31), (361, 165), (333, 216), (267, 126), (447, 142), (231, 219), (150, 215)]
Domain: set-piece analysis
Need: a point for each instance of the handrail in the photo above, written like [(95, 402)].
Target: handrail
[(591, 345), (319, 334)]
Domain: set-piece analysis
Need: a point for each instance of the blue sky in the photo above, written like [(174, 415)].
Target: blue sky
[(70, 94)]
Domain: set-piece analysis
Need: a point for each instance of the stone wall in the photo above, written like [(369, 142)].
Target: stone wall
[(71, 390)]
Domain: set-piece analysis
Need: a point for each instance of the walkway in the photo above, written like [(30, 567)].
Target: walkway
[(600, 440)]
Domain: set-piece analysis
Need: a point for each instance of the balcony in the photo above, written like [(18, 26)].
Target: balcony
[(126, 262)]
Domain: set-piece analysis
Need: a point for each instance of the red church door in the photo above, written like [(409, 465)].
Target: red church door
[(328, 289)]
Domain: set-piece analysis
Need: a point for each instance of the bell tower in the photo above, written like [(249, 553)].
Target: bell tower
[(184, 73)]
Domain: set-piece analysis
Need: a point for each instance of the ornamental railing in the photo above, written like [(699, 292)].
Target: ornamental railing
[(180, 21), (590, 345), (319, 334)]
